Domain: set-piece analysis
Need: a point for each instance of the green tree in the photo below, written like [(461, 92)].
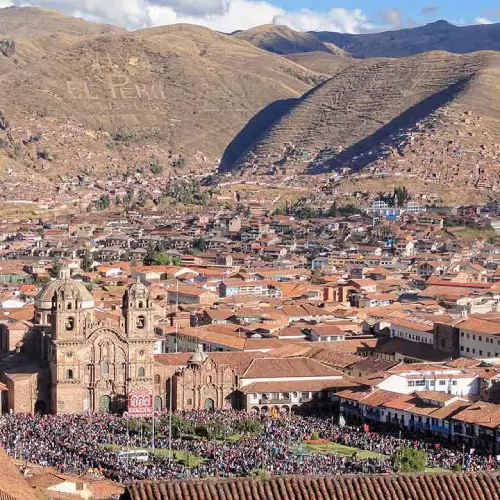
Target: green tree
[(409, 460), (87, 262), (401, 195), (200, 244), (55, 268), (149, 258)]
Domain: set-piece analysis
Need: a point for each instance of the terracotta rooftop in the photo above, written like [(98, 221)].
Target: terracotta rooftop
[(480, 486)]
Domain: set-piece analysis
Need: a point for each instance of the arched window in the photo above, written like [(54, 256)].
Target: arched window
[(104, 368), (141, 322), (141, 305), (69, 374), (70, 324), (141, 372), (157, 379), (49, 319), (189, 402), (70, 305), (209, 379)]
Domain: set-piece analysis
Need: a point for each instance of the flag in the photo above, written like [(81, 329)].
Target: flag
[(472, 450), (341, 420), (366, 428)]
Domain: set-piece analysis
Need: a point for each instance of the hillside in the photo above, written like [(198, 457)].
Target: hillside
[(176, 94), (34, 33), (434, 116), (284, 40), (440, 35), (322, 62)]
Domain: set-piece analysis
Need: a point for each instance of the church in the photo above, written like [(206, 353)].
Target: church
[(84, 364), (74, 358)]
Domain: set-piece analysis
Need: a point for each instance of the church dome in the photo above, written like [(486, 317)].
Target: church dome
[(65, 288)]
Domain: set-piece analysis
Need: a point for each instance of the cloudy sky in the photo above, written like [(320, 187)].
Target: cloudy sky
[(353, 16)]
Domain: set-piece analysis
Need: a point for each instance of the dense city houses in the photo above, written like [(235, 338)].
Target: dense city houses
[(396, 322)]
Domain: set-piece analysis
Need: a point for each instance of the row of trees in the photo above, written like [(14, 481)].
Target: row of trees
[(183, 428)]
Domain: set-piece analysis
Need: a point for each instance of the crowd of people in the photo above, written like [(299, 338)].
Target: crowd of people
[(92, 443)]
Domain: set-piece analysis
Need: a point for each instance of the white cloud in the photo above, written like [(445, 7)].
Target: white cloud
[(343, 20), (222, 15), (483, 20), (393, 17), (5, 3)]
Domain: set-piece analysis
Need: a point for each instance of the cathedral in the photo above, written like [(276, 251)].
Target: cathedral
[(86, 364), (67, 360)]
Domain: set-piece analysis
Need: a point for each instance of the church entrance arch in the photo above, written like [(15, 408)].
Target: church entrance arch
[(105, 404), (209, 404), (40, 407)]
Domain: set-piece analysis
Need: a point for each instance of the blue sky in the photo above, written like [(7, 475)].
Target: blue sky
[(352, 16), (423, 11), (458, 11)]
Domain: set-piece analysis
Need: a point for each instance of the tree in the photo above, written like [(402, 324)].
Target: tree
[(401, 195), (55, 268), (87, 262), (200, 244), (409, 460), (149, 258)]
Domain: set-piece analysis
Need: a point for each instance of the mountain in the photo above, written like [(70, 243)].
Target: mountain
[(284, 40), (322, 62), (434, 117), (33, 33), (440, 35), (175, 95)]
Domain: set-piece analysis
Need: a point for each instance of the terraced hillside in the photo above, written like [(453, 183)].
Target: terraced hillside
[(322, 62), (435, 115), (108, 103)]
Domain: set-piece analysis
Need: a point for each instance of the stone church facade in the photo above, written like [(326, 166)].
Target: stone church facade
[(85, 364), (69, 361)]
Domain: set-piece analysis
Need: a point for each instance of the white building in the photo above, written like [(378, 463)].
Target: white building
[(414, 329)]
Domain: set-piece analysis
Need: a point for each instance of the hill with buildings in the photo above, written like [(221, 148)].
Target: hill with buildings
[(430, 116)]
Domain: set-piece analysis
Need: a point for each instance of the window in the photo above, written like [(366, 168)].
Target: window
[(468, 350), (209, 379), (473, 351), (70, 305), (189, 402), (442, 382), (141, 353), (420, 383), (157, 379), (453, 382), (104, 368), (473, 337), (468, 336), (69, 374), (480, 352), (70, 324), (480, 337), (141, 322), (141, 372), (461, 347), (411, 383), (462, 334), (141, 305)]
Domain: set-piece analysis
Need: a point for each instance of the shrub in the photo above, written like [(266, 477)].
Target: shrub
[(409, 460)]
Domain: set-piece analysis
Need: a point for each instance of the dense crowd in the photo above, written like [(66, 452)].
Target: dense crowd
[(76, 443)]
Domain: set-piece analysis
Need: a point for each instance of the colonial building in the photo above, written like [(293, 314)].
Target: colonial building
[(90, 364)]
